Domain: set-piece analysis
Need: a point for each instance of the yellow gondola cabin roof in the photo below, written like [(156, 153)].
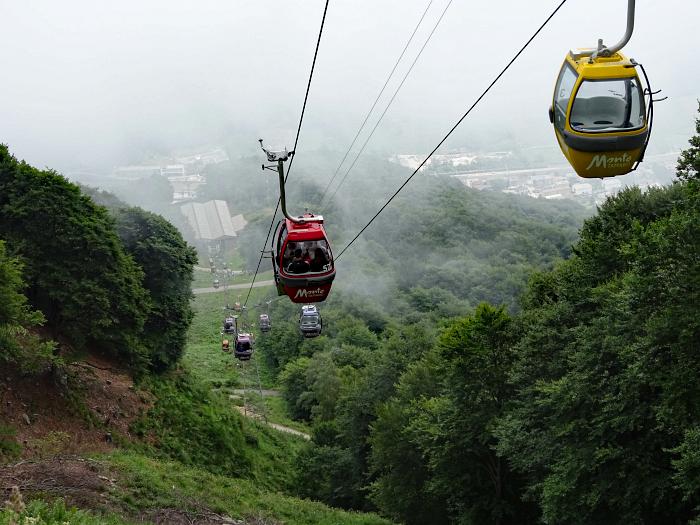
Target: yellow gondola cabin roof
[(601, 67)]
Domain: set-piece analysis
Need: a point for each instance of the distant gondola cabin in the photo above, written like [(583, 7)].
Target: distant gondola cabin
[(244, 346), (264, 323), (310, 322)]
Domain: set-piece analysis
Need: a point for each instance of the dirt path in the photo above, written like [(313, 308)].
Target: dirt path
[(276, 426), (265, 393), (240, 286)]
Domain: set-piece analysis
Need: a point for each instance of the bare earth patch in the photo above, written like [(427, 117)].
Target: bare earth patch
[(104, 403), (80, 481), (88, 484), (59, 416)]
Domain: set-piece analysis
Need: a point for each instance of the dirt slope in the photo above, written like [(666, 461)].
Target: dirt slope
[(79, 409)]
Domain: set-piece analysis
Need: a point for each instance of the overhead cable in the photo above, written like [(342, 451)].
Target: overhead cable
[(442, 141), (376, 125), (296, 140), (376, 101)]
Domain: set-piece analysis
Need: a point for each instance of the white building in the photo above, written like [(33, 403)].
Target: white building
[(173, 170), (582, 188), (185, 186), (204, 158), (135, 172)]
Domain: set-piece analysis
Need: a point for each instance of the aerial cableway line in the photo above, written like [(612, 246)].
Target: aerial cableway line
[(456, 125), (376, 101), (296, 140), (391, 101)]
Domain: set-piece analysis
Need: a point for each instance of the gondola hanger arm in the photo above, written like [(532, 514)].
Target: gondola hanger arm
[(280, 157), (605, 51)]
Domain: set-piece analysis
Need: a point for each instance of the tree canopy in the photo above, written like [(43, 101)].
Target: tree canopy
[(575, 400), (121, 287)]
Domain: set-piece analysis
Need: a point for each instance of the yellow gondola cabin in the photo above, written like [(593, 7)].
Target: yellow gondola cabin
[(599, 115)]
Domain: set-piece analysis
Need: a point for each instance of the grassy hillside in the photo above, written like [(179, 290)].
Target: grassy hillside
[(128, 488), (97, 406)]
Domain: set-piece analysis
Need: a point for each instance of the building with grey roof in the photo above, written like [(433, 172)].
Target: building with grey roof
[(212, 222)]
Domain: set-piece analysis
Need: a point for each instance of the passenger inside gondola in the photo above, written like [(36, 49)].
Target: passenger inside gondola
[(320, 261), (288, 254), (306, 257), (298, 264), (243, 346)]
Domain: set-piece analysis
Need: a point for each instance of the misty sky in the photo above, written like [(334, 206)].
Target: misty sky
[(96, 84)]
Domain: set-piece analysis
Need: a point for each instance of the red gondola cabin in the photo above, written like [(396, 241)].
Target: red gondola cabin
[(303, 261)]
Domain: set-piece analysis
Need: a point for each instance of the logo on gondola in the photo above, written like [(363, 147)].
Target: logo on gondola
[(303, 292), (605, 161)]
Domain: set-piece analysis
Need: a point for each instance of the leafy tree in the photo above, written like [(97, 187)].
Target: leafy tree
[(252, 238), (296, 391), (327, 473), (687, 467), (16, 343), (324, 380), (75, 267), (167, 263), (14, 310), (401, 485), (283, 347), (364, 379), (689, 162), (449, 417), (607, 365)]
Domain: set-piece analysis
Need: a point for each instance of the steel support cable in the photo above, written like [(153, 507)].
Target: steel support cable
[(483, 94), (376, 125), (376, 101), (296, 140)]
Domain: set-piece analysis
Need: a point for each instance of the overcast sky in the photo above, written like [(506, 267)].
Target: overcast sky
[(96, 83)]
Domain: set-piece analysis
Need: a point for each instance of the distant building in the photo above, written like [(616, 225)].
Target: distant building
[(185, 177), (173, 170), (410, 161), (550, 187), (518, 190), (238, 222), (583, 188), (477, 184), (185, 187), (203, 158), (135, 172), (212, 223)]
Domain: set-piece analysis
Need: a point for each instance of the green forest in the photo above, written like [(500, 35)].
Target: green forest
[(485, 358), (465, 395)]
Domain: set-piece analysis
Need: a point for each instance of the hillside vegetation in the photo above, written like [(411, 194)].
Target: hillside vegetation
[(119, 285), (575, 401), (91, 292), (483, 360)]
